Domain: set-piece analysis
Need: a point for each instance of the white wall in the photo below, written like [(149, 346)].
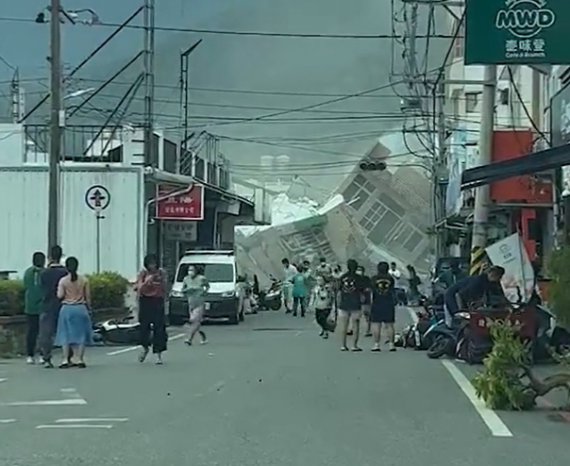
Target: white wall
[(23, 204)]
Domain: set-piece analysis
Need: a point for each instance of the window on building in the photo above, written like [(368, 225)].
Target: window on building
[(471, 101), (358, 192), (392, 204), (413, 242), (373, 216), (383, 228), (458, 43)]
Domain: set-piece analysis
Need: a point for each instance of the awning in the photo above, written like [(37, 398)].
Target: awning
[(162, 176), (537, 162)]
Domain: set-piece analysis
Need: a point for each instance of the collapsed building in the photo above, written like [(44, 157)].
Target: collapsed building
[(373, 216)]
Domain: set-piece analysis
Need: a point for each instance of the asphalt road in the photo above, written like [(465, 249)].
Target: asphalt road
[(269, 392)]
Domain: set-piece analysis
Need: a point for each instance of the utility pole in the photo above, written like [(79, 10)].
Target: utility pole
[(149, 158), (153, 243), (481, 212), (56, 125), (440, 161)]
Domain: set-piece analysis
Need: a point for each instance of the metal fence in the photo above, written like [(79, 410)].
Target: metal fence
[(81, 143)]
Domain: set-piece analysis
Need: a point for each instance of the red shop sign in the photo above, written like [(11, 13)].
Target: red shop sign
[(176, 203)]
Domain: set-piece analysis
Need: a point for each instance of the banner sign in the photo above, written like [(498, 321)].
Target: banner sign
[(517, 32), (511, 254)]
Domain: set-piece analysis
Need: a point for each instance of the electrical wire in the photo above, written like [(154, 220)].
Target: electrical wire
[(525, 108), (226, 32)]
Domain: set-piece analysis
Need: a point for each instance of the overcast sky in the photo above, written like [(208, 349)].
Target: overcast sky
[(225, 62)]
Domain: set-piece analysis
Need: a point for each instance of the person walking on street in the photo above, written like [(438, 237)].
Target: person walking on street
[(300, 291), (151, 289), (415, 282), (33, 297), (49, 281), (322, 303), (195, 286), (74, 327), (383, 312), (366, 298), (399, 288), (324, 270), (350, 304), (289, 272)]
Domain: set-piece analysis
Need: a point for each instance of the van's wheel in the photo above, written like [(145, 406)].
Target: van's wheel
[(234, 318)]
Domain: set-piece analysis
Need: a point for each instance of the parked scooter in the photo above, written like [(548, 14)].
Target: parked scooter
[(272, 298)]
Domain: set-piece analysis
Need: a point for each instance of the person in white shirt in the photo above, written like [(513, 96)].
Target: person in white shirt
[(322, 298), (399, 289), (289, 274)]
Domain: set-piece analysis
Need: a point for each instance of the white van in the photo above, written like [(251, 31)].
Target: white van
[(219, 267)]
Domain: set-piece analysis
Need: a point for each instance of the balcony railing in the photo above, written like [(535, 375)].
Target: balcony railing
[(80, 143)]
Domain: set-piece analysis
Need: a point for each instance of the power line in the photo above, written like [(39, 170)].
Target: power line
[(227, 32)]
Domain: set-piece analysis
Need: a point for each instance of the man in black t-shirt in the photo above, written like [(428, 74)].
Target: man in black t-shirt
[(350, 293), (49, 280)]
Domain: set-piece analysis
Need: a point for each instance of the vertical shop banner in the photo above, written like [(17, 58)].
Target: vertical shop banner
[(517, 32), (511, 254)]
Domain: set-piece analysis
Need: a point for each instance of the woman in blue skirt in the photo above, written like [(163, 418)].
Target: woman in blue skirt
[(74, 329)]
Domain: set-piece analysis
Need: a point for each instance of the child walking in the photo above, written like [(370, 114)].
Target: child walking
[(322, 299)]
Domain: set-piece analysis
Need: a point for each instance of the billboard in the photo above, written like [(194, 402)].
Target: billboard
[(174, 203), (560, 117), (516, 32)]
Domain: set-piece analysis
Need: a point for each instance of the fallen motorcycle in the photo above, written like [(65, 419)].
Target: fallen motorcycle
[(448, 341), (117, 331)]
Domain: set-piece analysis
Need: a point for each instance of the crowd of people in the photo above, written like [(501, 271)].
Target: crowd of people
[(342, 299), (57, 303)]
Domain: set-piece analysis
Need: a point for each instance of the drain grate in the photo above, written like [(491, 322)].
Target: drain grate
[(276, 329)]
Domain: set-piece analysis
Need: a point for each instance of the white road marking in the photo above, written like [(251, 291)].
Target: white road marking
[(3, 380), (7, 421), (68, 402), (489, 417), (91, 419), (298, 333), (75, 426), (133, 348)]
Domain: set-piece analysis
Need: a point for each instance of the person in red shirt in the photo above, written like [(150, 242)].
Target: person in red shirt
[(151, 290)]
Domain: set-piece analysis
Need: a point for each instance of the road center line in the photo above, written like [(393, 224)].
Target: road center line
[(3, 380), (489, 417), (69, 402), (91, 419), (7, 421), (75, 426), (133, 348)]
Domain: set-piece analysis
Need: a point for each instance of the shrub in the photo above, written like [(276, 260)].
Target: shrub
[(11, 297), (507, 381), (108, 290)]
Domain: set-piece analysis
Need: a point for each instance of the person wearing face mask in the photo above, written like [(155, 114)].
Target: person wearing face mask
[(289, 272), (324, 270), (151, 290), (195, 286)]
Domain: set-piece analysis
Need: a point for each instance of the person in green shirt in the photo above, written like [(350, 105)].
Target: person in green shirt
[(195, 287), (300, 291), (33, 299)]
